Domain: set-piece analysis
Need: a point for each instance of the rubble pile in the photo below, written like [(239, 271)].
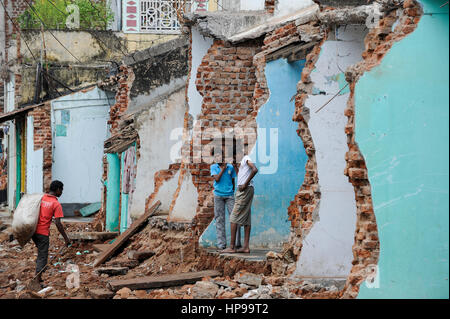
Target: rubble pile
[(172, 253)]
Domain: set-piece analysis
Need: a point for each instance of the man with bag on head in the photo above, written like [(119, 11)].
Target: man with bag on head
[(50, 208)]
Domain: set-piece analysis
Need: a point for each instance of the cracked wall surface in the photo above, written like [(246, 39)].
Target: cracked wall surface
[(327, 249), (400, 104), (333, 228), (393, 27)]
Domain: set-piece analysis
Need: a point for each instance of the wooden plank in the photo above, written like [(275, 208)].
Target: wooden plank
[(105, 255), (162, 281), (100, 247), (112, 271)]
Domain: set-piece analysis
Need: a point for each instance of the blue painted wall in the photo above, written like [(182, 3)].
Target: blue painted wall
[(402, 130), (274, 190)]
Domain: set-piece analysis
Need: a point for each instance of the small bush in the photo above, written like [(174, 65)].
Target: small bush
[(94, 15)]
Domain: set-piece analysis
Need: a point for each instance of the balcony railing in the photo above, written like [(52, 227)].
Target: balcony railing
[(157, 16)]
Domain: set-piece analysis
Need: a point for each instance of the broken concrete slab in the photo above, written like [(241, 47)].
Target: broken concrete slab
[(112, 271), (225, 283), (162, 281), (204, 290), (105, 255), (300, 17), (249, 279), (223, 25), (87, 236), (140, 255), (345, 16), (155, 50), (101, 293)]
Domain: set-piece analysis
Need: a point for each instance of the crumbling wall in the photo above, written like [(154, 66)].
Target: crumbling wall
[(42, 139), (226, 80), (327, 248), (234, 94), (393, 27), (155, 126), (407, 106)]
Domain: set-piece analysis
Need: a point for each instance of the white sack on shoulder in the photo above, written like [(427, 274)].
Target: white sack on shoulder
[(25, 217)]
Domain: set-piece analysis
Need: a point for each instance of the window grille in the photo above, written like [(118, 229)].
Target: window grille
[(157, 16)]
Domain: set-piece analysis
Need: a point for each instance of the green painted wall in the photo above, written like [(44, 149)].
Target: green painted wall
[(113, 192), (19, 128), (124, 200), (402, 130)]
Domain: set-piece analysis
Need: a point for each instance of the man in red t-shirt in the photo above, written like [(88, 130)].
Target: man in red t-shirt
[(50, 208)]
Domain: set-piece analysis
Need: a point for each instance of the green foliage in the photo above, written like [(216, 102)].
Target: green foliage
[(94, 14)]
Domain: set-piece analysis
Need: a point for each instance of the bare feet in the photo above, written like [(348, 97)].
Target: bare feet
[(244, 250), (229, 250)]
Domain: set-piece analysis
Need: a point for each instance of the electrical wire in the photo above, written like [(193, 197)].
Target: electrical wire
[(18, 29), (37, 15)]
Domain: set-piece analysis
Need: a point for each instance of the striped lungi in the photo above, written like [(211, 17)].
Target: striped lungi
[(241, 214)]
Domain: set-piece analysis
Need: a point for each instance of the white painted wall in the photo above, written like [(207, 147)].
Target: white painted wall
[(327, 249), (10, 93), (286, 7), (252, 5), (186, 202), (78, 157), (154, 127), (200, 46), (35, 162)]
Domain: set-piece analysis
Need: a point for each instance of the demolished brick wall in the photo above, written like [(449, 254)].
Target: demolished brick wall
[(232, 82), (301, 209), (43, 139), (306, 202), (226, 80), (378, 42), (269, 6)]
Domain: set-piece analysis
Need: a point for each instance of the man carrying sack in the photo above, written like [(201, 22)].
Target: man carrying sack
[(50, 207)]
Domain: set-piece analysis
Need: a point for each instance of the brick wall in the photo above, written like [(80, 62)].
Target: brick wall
[(125, 80), (226, 79), (43, 139), (12, 37), (269, 6)]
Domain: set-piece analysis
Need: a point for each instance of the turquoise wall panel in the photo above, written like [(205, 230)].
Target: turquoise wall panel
[(113, 192), (401, 116)]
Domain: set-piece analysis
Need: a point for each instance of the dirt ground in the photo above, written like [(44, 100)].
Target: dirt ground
[(17, 268)]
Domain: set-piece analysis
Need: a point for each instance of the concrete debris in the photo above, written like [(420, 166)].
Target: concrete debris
[(73, 279), (45, 292), (123, 293), (248, 279), (167, 245), (204, 290)]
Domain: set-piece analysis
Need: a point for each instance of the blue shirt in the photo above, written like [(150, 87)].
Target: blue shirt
[(225, 185)]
